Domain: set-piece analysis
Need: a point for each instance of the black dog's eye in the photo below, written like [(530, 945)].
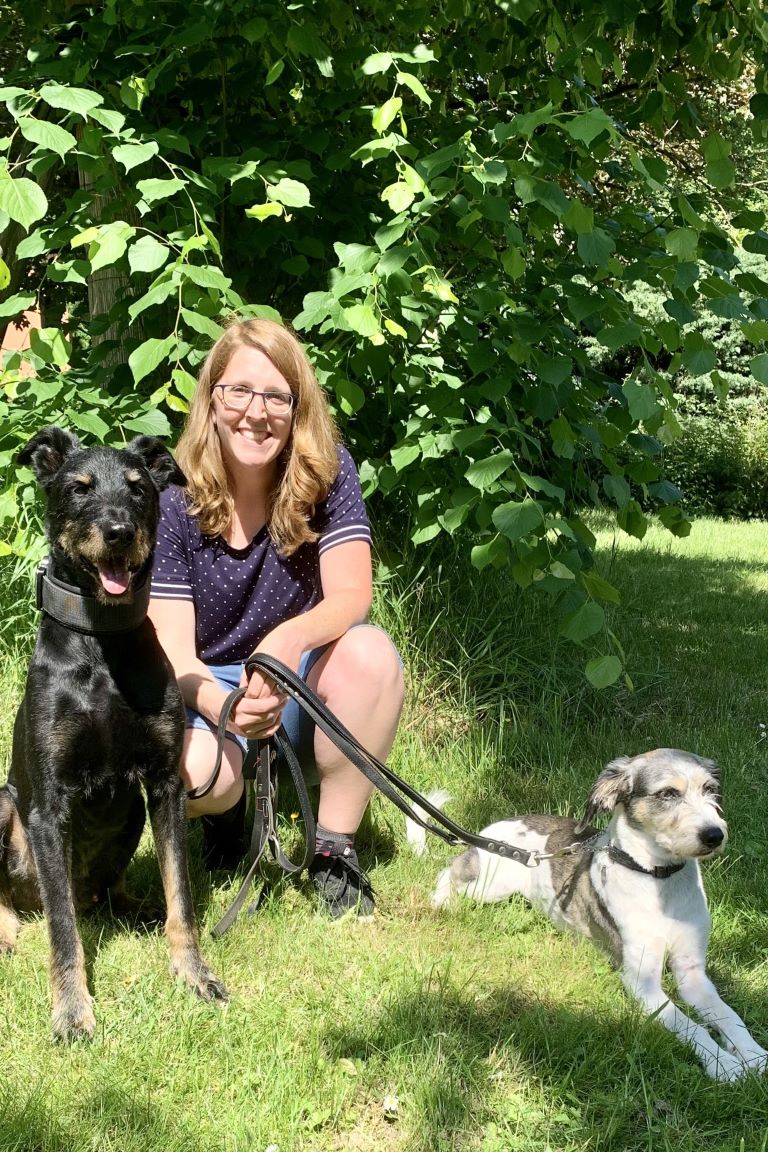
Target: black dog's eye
[(81, 488), (668, 794)]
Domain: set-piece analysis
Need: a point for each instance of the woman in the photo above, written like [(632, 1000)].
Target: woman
[(269, 549)]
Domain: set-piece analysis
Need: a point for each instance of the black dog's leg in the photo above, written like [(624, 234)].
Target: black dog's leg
[(72, 1006), (10, 830), (166, 803)]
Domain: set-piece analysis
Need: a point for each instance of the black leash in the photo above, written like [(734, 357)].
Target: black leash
[(260, 766)]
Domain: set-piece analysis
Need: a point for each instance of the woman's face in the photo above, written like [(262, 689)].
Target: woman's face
[(255, 436)]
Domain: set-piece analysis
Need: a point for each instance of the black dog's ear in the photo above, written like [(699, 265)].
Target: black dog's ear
[(613, 785), (47, 451), (158, 461)]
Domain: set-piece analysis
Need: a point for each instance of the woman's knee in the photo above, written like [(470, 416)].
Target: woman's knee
[(364, 658), (198, 759)]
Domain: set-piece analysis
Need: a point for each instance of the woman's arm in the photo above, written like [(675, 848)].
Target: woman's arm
[(346, 578), (174, 622)]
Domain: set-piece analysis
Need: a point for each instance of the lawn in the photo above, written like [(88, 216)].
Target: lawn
[(493, 1032)]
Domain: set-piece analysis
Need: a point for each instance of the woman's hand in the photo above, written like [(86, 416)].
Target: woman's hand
[(259, 714)]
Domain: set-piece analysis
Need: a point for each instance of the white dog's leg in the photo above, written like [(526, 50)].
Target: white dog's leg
[(697, 989), (641, 975)]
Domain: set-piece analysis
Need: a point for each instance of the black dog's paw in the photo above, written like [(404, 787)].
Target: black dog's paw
[(74, 1020), (209, 987), (195, 973)]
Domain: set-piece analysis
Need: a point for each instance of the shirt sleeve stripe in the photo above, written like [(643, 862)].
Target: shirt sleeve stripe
[(326, 544), (359, 528)]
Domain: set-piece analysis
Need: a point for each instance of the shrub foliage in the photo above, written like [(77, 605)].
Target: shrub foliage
[(446, 199)]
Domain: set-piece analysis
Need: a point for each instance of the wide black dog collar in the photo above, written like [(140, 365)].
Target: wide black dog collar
[(74, 609)]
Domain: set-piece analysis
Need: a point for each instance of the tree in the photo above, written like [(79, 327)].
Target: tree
[(445, 197)]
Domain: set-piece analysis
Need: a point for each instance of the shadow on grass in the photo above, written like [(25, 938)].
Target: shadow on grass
[(31, 1125), (597, 1083)]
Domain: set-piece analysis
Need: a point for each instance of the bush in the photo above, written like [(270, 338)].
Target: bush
[(721, 465)]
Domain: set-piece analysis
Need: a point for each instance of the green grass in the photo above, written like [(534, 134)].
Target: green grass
[(495, 1032)]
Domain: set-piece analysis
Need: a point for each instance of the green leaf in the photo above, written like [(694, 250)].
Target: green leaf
[(603, 671), (513, 263), (150, 424), (383, 116), (378, 62), (699, 356), (632, 520), (22, 199), (47, 135), (132, 155), (153, 190), (5, 275), (403, 456), (263, 211), (70, 99), (89, 422), (399, 196), (49, 344), (202, 324), (484, 473), (617, 488), (149, 356), (599, 588), (641, 400), (586, 126), (682, 243), (415, 86), (721, 170), (595, 248), (291, 193), (147, 255), (517, 519), (207, 276), (275, 72), (361, 318), (758, 366), (17, 304), (583, 623), (184, 383), (350, 396), (494, 552), (110, 244)]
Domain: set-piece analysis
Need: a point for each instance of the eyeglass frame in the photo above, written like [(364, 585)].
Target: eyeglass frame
[(289, 396)]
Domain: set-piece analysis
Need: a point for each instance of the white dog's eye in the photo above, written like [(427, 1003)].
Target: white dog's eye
[(668, 794)]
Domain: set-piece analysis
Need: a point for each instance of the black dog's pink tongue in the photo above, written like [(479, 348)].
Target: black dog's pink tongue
[(116, 581)]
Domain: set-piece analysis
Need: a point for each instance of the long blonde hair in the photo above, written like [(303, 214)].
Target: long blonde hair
[(308, 464)]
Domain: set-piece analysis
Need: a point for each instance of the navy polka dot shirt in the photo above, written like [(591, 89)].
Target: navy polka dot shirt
[(241, 594)]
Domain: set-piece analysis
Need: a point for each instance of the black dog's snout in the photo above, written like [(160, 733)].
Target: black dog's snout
[(119, 533), (712, 836)]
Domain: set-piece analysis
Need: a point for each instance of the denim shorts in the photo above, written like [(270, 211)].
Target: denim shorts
[(298, 725)]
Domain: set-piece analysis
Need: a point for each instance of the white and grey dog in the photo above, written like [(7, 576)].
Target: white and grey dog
[(634, 889)]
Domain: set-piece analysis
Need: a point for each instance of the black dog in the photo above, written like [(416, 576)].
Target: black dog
[(101, 717)]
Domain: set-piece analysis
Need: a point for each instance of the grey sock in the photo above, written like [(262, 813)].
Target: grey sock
[(332, 843)]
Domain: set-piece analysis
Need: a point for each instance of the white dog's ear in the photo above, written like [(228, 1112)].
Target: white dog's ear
[(613, 785)]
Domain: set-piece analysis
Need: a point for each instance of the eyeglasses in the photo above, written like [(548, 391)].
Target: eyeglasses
[(239, 397)]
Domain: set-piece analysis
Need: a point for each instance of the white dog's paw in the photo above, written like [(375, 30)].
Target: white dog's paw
[(725, 1067), (756, 1061)]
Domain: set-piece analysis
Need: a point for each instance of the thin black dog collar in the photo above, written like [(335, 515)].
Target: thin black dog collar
[(661, 872), (74, 609)]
